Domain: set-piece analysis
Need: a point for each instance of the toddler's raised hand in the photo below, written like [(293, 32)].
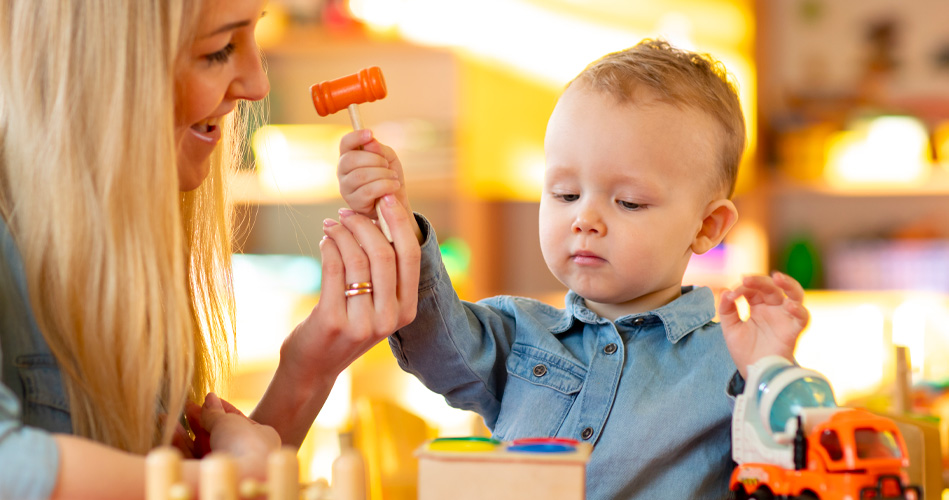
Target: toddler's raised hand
[(229, 430), (367, 171), (777, 318)]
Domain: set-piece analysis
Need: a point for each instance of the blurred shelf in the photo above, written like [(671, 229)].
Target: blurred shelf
[(936, 185), (247, 189)]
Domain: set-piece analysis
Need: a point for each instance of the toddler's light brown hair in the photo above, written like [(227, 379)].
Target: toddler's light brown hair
[(681, 78)]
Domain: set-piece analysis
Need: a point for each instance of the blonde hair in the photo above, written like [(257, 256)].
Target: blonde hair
[(682, 78), (129, 279)]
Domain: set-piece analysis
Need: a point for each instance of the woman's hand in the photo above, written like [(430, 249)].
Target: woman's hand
[(346, 322), (777, 318)]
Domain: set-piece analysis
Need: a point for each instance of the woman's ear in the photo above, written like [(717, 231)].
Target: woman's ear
[(718, 218)]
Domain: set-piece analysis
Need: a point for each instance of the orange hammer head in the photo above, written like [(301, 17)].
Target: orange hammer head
[(333, 95)]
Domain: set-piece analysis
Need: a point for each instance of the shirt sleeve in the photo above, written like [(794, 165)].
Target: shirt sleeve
[(29, 457), (457, 349)]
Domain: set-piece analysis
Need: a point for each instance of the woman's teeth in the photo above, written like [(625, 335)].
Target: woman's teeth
[(206, 126)]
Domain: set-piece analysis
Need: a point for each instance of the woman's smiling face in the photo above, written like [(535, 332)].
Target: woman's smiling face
[(221, 67)]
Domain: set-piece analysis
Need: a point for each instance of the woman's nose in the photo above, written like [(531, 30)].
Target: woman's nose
[(252, 84)]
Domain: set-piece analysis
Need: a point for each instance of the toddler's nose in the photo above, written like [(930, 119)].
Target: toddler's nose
[(588, 221)]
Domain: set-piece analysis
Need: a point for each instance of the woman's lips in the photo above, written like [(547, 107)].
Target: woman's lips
[(206, 132)]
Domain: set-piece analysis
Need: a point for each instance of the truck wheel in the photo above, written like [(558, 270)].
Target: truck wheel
[(762, 493), (739, 494)]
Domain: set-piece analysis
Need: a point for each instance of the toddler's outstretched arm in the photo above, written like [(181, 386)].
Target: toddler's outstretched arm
[(369, 170), (777, 317)]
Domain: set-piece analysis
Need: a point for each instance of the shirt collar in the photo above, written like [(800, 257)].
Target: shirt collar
[(692, 310)]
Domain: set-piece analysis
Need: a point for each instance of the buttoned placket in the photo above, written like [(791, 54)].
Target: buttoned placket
[(603, 376)]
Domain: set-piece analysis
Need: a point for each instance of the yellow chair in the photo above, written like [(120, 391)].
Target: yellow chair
[(388, 435)]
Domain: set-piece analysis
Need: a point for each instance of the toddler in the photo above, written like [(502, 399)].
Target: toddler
[(642, 152)]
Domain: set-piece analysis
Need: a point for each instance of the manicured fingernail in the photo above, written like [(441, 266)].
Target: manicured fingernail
[(329, 223), (389, 199), (345, 212)]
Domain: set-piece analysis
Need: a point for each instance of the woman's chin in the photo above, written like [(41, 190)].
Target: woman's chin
[(192, 173)]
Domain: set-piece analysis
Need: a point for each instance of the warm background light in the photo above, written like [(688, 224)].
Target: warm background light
[(879, 151)]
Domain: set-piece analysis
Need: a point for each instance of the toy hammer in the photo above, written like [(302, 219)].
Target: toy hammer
[(348, 92)]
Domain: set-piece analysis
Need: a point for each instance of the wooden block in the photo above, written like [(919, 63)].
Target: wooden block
[(502, 472)]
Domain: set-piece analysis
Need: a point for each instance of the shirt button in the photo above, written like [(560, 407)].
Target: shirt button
[(638, 321), (587, 433), (540, 371), (610, 348)]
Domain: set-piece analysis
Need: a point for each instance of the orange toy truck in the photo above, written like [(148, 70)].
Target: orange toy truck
[(792, 442)]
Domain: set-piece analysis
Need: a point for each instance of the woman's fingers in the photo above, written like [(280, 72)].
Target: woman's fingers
[(358, 288), (408, 256), (333, 281), (382, 265)]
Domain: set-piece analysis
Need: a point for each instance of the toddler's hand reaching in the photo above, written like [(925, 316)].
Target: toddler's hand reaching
[(777, 317), (230, 431), (369, 170)]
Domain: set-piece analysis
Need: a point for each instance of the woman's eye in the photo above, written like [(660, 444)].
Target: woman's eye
[(567, 197), (628, 205), (222, 55)]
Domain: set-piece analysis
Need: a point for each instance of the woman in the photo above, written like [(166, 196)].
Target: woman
[(115, 298)]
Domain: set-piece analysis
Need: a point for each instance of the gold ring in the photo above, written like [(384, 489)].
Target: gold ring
[(359, 285), (358, 291)]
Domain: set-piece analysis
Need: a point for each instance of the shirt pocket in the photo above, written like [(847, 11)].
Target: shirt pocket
[(541, 388), (44, 395)]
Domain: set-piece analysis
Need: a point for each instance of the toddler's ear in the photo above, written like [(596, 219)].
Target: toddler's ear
[(718, 218)]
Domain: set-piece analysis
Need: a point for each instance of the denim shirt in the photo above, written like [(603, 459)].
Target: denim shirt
[(647, 390), (32, 399)]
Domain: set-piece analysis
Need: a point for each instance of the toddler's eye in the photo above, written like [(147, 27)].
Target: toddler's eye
[(628, 205), (567, 197), (222, 55)]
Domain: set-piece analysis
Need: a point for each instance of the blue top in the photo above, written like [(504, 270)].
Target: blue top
[(32, 398), (648, 390)]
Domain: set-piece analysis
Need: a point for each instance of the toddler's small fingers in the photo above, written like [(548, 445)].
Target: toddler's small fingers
[(791, 287), (355, 140), (728, 309), (797, 310)]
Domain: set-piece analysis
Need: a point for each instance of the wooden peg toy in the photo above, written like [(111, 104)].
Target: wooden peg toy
[(218, 477), (348, 92), (163, 475)]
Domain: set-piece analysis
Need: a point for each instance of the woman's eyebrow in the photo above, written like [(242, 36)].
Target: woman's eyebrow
[(232, 26)]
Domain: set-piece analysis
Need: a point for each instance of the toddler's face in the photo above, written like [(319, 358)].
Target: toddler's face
[(624, 190), (221, 67)]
